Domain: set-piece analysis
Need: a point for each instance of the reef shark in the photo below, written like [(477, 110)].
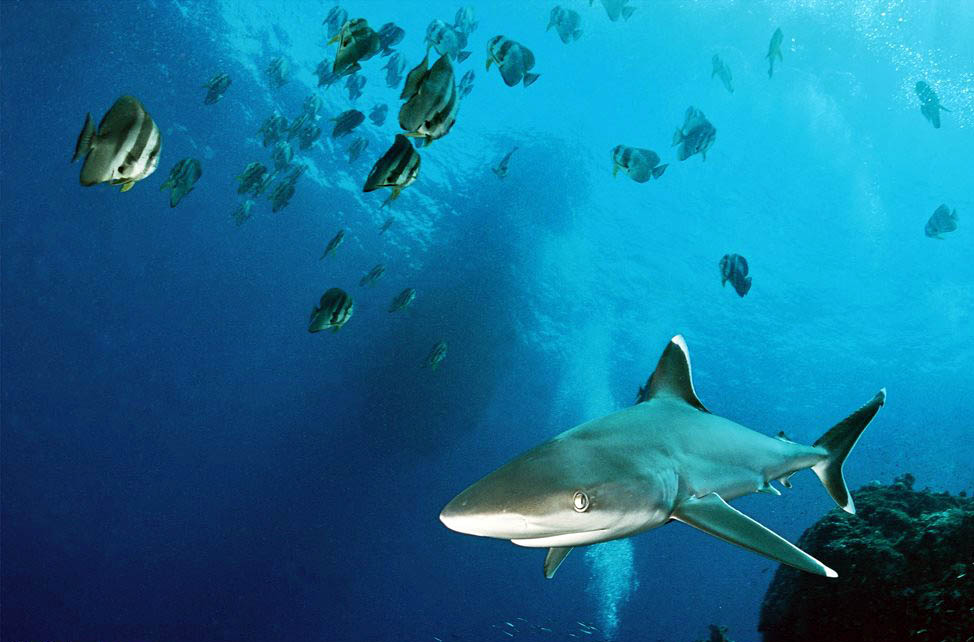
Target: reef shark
[(666, 458)]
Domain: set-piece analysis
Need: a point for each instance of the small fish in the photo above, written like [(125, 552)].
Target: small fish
[(616, 9), (333, 244), (308, 135), (432, 103), (252, 176), (356, 148), (464, 21), (941, 221), (312, 105), (217, 86), (278, 71), (332, 312), (567, 22), (242, 214), (403, 300), (334, 20), (387, 224), (397, 168), (930, 105), (354, 85), (326, 77), (637, 163), (389, 36), (466, 84), (394, 69), (722, 71), (433, 360), (513, 59), (446, 40), (124, 149), (501, 169), (283, 154), (182, 178), (774, 50), (372, 275), (356, 42), (733, 268), (346, 121), (273, 128), (378, 114), (281, 194), (696, 136)]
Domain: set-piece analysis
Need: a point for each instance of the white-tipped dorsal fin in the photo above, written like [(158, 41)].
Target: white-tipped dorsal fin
[(672, 377)]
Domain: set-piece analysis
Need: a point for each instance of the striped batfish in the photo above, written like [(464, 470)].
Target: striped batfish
[(566, 22), (447, 40), (733, 268), (123, 150), (356, 41), (774, 50), (638, 163), (941, 221), (397, 169), (373, 275), (616, 9), (182, 178), (334, 20), (513, 59), (333, 244), (332, 312), (436, 355), (346, 121), (403, 300), (432, 102)]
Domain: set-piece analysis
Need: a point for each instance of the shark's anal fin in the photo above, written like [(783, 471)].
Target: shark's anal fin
[(713, 515), (556, 555), (672, 377)]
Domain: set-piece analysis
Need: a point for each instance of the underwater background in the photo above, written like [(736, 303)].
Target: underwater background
[(181, 459)]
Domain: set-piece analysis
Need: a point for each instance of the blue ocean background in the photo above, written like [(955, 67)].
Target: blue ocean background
[(182, 460)]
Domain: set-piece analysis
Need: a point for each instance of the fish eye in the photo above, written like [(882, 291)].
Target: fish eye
[(580, 501)]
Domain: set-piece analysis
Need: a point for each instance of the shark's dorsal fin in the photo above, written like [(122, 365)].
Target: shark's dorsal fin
[(672, 377), (556, 555)]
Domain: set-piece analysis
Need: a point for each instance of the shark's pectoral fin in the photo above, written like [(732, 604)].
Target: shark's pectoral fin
[(713, 515), (556, 555)]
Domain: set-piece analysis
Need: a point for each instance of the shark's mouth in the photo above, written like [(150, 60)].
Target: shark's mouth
[(576, 538)]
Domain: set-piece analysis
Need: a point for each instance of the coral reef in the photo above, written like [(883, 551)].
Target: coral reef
[(906, 572)]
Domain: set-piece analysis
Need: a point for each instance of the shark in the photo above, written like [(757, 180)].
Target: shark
[(667, 458)]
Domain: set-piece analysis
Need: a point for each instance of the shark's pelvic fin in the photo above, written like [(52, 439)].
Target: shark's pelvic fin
[(713, 515), (672, 377), (838, 441), (556, 555)]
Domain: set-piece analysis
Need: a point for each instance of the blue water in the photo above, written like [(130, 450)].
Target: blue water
[(181, 459)]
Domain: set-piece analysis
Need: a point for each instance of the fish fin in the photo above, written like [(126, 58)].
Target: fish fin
[(659, 169), (627, 12), (615, 170), (127, 186), (334, 39), (489, 60), (766, 487), (84, 138), (838, 442), (335, 328), (942, 108), (530, 78), (673, 377), (576, 34), (714, 516), (414, 135), (677, 137), (462, 55), (556, 555)]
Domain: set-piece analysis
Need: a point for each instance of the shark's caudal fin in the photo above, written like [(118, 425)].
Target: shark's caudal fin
[(838, 442), (556, 555), (672, 377), (713, 515)]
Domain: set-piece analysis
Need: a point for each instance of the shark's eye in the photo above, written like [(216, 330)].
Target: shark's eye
[(580, 501)]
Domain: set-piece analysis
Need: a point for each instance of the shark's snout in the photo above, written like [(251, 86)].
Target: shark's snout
[(462, 516)]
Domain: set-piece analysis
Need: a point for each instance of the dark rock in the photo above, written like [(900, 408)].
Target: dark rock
[(905, 565)]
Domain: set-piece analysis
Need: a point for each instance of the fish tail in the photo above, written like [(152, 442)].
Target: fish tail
[(659, 169), (84, 139), (462, 55), (627, 12), (677, 137), (838, 442), (530, 78)]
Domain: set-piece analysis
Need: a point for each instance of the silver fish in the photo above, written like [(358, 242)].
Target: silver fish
[(356, 42), (513, 59), (312, 105), (333, 244), (252, 177), (356, 148), (930, 105), (308, 135), (466, 84), (637, 163), (278, 72), (346, 121), (403, 300), (242, 214), (354, 85), (722, 71), (397, 168), (436, 356), (372, 275), (447, 40), (733, 268), (501, 169), (567, 22), (696, 136), (774, 50), (387, 224), (389, 36), (283, 154), (378, 114), (182, 179), (217, 86), (124, 149), (464, 21), (432, 103), (273, 128), (334, 20), (326, 77), (394, 69), (941, 221), (616, 9), (332, 312)]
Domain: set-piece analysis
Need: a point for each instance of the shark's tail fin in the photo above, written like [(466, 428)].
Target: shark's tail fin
[(838, 442)]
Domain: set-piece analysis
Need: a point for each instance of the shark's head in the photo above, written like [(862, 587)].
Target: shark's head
[(565, 492)]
